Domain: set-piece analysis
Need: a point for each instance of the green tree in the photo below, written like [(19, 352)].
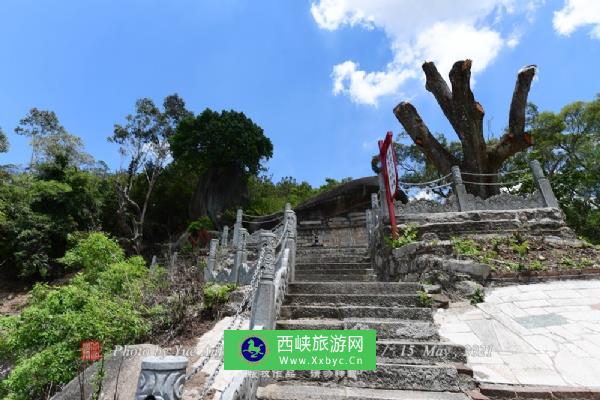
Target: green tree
[(4, 145), (566, 146), (144, 141), (228, 147), (37, 125)]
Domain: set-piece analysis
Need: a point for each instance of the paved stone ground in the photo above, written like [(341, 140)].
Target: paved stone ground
[(543, 334)]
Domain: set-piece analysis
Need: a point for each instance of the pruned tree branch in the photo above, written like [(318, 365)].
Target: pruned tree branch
[(469, 116), (437, 86), (437, 154), (516, 139)]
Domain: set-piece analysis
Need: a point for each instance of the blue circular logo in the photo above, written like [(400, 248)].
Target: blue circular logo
[(253, 349)]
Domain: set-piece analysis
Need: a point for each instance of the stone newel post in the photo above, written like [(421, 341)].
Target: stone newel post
[(369, 219), (240, 248), (383, 208), (263, 307), (212, 259), (161, 378), (237, 226), (290, 243), (225, 236), (459, 190), (543, 184)]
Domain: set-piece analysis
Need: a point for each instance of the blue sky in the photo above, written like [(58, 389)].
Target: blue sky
[(321, 77)]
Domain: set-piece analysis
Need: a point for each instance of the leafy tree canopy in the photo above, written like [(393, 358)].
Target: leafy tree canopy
[(225, 139)]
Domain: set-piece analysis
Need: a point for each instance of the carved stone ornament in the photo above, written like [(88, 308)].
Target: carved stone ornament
[(507, 201), (425, 206), (291, 224), (161, 378)]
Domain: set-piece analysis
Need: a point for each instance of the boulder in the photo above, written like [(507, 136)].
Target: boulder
[(468, 288)]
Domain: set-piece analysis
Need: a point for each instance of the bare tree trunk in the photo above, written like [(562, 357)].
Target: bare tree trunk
[(465, 115)]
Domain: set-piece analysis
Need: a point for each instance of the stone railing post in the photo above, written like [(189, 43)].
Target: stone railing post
[(543, 184), (240, 248), (383, 206), (237, 226), (375, 208), (290, 243), (225, 236), (263, 307), (161, 378), (459, 190), (173, 260), (369, 220), (212, 259)]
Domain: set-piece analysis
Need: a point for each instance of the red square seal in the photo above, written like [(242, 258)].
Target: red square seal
[(91, 350)]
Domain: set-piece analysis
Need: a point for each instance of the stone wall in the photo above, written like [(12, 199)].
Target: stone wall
[(535, 221), (407, 263), (341, 231)]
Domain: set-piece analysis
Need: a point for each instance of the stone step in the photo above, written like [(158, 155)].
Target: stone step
[(283, 391), (436, 378), (314, 266), (335, 271), (335, 278), (341, 312), (408, 352), (417, 331), (376, 299), (354, 287), (351, 250), (331, 258)]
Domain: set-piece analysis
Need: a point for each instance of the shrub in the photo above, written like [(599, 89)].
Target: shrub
[(409, 235), (477, 297), (105, 302), (465, 247), (520, 248), (537, 266), (215, 295), (93, 254), (424, 299)]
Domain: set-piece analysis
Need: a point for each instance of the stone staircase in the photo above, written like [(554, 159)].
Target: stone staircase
[(335, 288)]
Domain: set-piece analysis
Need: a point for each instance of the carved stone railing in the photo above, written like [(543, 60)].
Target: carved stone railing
[(460, 200), (272, 271), (278, 268)]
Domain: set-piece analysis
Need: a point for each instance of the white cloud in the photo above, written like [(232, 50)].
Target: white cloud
[(440, 30), (578, 13)]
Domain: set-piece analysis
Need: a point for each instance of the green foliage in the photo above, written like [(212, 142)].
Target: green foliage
[(537, 266), (93, 254), (568, 262), (225, 139), (566, 145), (200, 224), (424, 299), (268, 197), (105, 302), (407, 236), (216, 295), (4, 145), (477, 297), (517, 267), (522, 249), (39, 214), (465, 247)]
